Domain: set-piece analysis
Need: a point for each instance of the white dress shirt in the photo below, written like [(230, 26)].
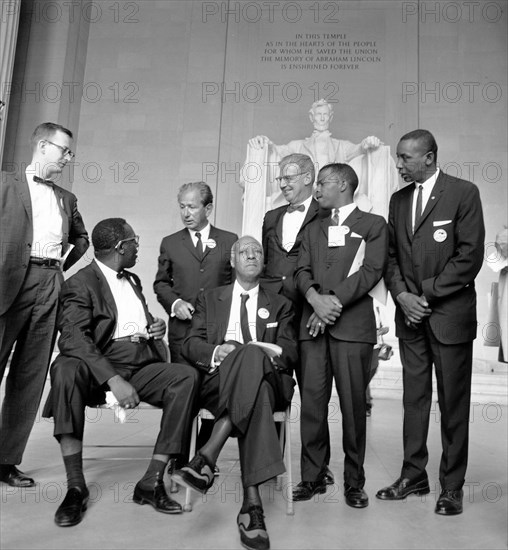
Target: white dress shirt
[(46, 218), (344, 212), (427, 187), (131, 318)]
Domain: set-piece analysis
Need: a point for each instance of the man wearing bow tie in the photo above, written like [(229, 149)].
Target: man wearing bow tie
[(241, 385), (41, 235), (436, 250), (341, 259), (110, 341)]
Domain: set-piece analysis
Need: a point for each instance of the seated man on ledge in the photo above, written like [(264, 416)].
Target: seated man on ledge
[(109, 340), (241, 384)]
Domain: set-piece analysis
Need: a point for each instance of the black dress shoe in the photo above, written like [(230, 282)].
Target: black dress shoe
[(157, 497), (305, 490), (73, 507), (327, 476), (12, 476), (355, 497), (404, 487), (449, 502)]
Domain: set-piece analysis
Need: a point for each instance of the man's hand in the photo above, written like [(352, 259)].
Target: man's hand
[(124, 392), (315, 325), (370, 143), (259, 142), (223, 351), (415, 308), (184, 310), (327, 307), (157, 329)]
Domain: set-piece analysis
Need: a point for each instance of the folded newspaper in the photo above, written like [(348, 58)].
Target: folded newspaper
[(272, 350)]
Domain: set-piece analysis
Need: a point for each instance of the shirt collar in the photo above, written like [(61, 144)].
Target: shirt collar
[(205, 233), (429, 182), (238, 290)]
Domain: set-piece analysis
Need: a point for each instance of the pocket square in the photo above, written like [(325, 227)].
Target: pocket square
[(272, 325), (439, 223), (355, 235)]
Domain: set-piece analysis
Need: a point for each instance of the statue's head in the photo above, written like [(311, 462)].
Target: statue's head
[(321, 114)]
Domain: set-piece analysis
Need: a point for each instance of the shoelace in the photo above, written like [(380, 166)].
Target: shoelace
[(256, 518)]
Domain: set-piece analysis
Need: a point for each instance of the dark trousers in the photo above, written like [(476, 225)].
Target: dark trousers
[(325, 359), (248, 389), (30, 324), (170, 386), (453, 366)]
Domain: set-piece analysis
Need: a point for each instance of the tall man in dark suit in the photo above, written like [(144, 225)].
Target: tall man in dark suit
[(436, 250), (41, 234), (109, 340), (241, 385), (342, 257), (282, 235)]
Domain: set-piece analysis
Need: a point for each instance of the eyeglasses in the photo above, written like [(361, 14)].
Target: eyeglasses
[(65, 150), (288, 179), (247, 253), (135, 239)]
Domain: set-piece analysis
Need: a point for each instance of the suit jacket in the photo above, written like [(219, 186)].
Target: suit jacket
[(210, 323), (87, 319), (441, 259), (16, 233), (181, 274), (327, 268), (279, 263)]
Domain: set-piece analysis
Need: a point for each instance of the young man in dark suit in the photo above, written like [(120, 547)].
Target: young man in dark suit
[(110, 341), (436, 250), (41, 235), (241, 385), (342, 257)]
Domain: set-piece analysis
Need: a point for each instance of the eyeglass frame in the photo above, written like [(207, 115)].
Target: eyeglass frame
[(289, 177), (257, 253), (121, 241), (65, 150)]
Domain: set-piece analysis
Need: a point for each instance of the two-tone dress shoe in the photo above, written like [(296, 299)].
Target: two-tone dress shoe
[(73, 507), (403, 487), (157, 497), (252, 528), (12, 476), (355, 497), (198, 474), (305, 490), (449, 502)]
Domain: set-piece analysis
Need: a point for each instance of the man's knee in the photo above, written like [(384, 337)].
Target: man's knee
[(64, 370)]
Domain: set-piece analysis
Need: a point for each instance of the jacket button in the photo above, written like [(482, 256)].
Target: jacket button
[(201, 270)]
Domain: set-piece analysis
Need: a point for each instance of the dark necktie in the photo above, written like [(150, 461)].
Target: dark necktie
[(335, 217), (418, 211), (37, 179), (199, 245), (244, 320), (292, 208)]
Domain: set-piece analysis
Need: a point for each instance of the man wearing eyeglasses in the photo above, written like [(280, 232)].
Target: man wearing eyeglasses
[(110, 341), (42, 234)]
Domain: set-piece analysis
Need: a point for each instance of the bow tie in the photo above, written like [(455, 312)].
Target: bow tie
[(37, 179), (122, 275), (292, 208)]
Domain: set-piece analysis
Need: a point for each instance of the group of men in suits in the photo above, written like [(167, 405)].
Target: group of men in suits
[(309, 281)]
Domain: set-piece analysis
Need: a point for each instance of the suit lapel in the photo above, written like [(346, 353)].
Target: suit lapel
[(187, 243), (222, 313), (213, 235), (263, 303), (24, 195), (106, 291), (436, 194)]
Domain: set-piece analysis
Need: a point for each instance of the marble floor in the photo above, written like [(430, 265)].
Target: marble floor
[(114, 521)]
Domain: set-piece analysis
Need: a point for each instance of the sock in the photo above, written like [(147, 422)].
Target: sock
[(74, 470), (155, 471)]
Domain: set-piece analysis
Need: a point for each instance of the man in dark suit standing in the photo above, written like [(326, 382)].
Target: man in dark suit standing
[(342, 257), (282, 235), (41, 234), (436, 250), (109, 340), (241, 385), (191, 260)]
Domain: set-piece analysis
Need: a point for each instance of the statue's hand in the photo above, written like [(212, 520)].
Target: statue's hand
[(259, 142), (370, 143)]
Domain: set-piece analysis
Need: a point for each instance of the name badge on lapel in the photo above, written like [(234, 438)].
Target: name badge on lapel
[(337, 235)]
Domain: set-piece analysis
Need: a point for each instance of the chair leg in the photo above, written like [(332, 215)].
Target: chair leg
[(187, 507), (287, 424)]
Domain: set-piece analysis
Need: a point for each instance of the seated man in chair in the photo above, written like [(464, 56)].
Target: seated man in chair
[(109, 340), (241, 385)]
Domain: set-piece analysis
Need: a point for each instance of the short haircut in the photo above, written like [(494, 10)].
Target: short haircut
[(107, 233), (321, 103), (202, 187), (47, 130), (304, 163), (342, 171), (425, 137)]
